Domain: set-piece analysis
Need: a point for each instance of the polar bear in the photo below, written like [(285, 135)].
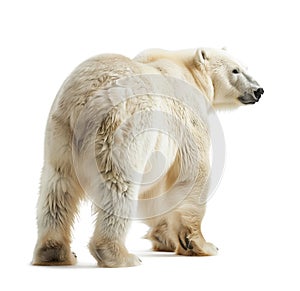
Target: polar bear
[(104, 132)]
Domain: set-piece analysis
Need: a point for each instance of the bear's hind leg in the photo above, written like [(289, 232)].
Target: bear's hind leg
[(57, 206), (113, 219)]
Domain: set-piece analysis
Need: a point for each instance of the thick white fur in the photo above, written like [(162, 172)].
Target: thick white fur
[(89, 151)]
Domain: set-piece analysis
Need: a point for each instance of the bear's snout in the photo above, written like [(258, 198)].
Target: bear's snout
[(258, 93)]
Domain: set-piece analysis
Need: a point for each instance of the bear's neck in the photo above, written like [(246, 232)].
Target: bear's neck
[(184, 60), (201, 79), (192, 73)]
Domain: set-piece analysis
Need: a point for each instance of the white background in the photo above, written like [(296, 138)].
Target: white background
[(254, 216)]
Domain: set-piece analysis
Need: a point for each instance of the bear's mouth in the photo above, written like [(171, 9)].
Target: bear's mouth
[(248, 99)]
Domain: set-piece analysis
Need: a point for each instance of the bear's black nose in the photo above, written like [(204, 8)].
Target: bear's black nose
[(258, 93)]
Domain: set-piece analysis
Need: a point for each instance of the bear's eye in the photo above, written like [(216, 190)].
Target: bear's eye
[(235, 71)]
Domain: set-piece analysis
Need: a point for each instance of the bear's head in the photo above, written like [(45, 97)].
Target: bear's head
[(232, 85)]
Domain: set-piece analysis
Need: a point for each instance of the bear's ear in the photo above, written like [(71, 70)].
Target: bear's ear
[(224, 48), (201, 56)]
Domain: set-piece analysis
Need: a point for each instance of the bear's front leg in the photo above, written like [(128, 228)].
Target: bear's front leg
[(193, 244), (189, 235)]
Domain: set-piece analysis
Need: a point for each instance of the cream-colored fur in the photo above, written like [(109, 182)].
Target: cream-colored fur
[(96, 145)]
